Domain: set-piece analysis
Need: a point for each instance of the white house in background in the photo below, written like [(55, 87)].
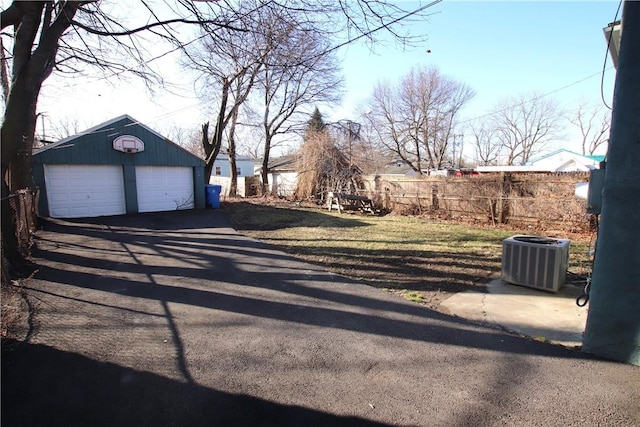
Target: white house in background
[(397, 169), (566, 161), (221, 168), (247, 183), (283, 176), (557, 161)]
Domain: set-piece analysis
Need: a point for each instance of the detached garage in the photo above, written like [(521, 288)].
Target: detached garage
[(118, 167)]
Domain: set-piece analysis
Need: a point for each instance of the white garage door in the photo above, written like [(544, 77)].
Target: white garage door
[(164, 188), (77, 191)]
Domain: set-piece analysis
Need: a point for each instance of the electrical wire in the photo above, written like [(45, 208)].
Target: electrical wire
[(325, 52), (381, 27), (583, 298), (599, 73), (535, 98), (347, 42), (606, 56)]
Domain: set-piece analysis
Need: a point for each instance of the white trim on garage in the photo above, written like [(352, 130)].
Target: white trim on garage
[(77, 191), (164, 188)]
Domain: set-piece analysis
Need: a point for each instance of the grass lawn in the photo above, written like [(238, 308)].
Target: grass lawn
[(424, 260)]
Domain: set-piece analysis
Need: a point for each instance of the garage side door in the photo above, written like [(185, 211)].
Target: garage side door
[(164, 188), (77, 191)]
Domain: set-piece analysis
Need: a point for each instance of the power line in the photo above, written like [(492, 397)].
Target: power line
[(325, 52), (535, 98), (381, 27), (334, 48)]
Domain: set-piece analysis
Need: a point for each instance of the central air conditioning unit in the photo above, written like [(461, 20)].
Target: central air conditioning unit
[(535, 262)]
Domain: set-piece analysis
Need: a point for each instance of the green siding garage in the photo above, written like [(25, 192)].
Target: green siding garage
[(118, 167)]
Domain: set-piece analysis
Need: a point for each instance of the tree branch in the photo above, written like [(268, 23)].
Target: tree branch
[(12, 15), (45, 54), (26, 31), (152, 25)]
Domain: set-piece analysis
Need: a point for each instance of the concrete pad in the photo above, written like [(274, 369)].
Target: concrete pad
[(540, 315)]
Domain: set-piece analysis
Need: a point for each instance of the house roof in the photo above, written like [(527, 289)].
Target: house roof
[(283, 164), (396, 167), (397, 170), (100, 128), (597, 158), (510, 168), (565, 151), (225, 156), (96, 136)]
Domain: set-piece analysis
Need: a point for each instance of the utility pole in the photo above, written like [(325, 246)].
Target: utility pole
[(44, 137), (613, 322), (455, 145)]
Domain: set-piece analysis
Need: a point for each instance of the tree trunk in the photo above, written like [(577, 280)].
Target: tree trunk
[(4, 74), (212, 148), (17, 132), (32, 64), (208, 148), (265, 165), (233, 186), (17, 135), (21, 168)]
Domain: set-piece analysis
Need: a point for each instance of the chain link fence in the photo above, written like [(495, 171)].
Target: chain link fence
[(24, 204), (24, 211), (539, 201)]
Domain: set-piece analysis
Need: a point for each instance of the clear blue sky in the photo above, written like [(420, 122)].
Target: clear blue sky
[(498, 48)]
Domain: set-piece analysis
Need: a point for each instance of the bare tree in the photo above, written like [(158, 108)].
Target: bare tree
[(62, 127), (344, 21), (388, 131), (486, 144), (228, 62), (272, 29), (66, 36), (330, 157), (33, 60), (348, 139), (321, 166), (416, 118), (299, 70), (296, 73), (57, 36), (594, 123), (188, 139), (525, 124)]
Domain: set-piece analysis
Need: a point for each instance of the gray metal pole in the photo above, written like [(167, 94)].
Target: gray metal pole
[(613, 322)]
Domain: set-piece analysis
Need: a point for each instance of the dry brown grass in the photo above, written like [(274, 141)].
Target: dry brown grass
[(424, 259), (15, 311)]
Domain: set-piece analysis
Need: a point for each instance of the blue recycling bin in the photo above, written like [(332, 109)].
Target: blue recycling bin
[(212, 195)]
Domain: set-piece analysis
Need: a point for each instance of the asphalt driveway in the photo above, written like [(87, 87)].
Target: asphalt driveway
[(176, 319)]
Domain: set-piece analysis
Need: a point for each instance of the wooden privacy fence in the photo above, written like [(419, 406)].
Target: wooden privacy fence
[(542, 201)]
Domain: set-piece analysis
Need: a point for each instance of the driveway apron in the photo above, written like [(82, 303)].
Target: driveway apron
[(177, 319)]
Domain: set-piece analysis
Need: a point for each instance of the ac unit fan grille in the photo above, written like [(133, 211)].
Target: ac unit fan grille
[(534, 263)]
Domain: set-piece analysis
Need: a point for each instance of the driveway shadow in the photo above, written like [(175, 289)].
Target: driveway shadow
[(182, 257), (45, 386), (176, 319)]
